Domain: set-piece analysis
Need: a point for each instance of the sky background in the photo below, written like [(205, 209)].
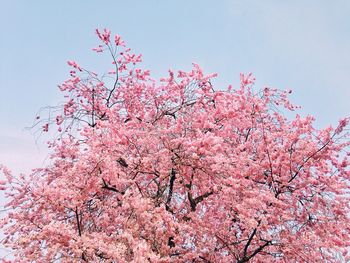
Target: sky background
[(298, 45)]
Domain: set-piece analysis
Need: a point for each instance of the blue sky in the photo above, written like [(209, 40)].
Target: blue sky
[(299, 45)]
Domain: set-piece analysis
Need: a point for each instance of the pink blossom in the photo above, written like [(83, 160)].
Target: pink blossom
[(118, 41)]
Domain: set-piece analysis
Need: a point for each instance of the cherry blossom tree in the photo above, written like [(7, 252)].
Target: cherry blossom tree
[(175, 171)]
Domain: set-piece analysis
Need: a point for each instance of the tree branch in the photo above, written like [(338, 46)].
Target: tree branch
[(122, 162), (171, 187), (197, 200), (248, 243), (111, 188)]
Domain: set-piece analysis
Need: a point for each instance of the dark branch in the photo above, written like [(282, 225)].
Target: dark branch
[(171, 242), (79, 230), (122, 162), (194, 202), (171, 187), (78, 221), (310, 157), (258, 250), (248, 243), (110, 188), (116, 77)]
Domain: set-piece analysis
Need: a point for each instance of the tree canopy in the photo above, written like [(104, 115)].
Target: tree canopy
[(177, 171)]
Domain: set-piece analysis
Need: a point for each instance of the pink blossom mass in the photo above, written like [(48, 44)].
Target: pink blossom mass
[(178, 170)]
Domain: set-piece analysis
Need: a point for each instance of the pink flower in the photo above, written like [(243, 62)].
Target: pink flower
[(74, 64), (105, 36), (118, 41), (342, 123), (59, 120), (46, 127)]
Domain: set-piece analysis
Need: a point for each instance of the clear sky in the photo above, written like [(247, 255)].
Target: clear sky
[(301, 45)]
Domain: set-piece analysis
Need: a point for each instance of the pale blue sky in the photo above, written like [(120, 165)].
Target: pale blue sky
[(302, 45)]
